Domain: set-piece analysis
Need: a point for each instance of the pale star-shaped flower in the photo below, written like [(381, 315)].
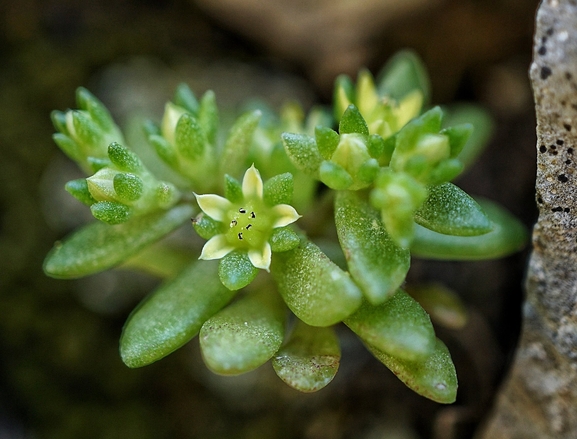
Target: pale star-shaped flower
[(248, 224)]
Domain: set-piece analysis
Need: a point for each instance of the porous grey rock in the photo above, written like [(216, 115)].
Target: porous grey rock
[(539, 398)]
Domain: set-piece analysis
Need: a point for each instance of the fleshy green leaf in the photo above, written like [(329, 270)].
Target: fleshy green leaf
[(508, 236), (303, 152), (310, 359), (184, 97), (128, 187), (172, 315), (353, 122), (232, 189), (343, 95), (458, 136), (236, 271), (449, 210), (79, 190), (335, 176), (403, 73), (327, 141), (233, 158), (208, 116), (399, 327), (98, 246), (283, 239), (278, 189), (376, 263), (205, 226), (244, 335), (123, 158), (434, 378), (189, 138), (111, 212), (95, 108), (313, 287)]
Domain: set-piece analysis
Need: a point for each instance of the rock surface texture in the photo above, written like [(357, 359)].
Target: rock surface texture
[(539, 398)]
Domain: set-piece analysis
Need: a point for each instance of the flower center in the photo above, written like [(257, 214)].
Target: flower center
[(249, 226)]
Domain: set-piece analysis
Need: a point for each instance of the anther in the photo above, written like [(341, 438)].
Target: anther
[(240, 235), (252, 215), (242, 210), (248, 226), (233, 223)]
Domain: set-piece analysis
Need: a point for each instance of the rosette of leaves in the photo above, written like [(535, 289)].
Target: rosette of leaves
[(388, 168)]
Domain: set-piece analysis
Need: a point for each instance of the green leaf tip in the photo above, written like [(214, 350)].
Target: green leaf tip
[(173, 314), (98, 246)]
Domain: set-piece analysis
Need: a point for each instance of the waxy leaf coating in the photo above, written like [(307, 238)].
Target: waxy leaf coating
[(173, 314), (310, 359), (434, 377), (375, 262), (400, 327), (449, 210), (98, 246), (244, 335), (313, 287)]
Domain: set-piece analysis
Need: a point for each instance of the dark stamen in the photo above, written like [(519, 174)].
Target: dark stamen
[(240, 235), (252, 215), (242, 210), (248, 226), (233, 223)]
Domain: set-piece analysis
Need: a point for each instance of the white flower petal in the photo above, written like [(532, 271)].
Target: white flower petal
[(215, 248), (214, 206), (252, 184), (261, 258), (286, 214)]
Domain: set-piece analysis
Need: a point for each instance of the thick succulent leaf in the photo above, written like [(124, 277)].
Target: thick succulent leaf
[(124, 159), (111, 212), (79, 190), (98, 246), (236, 271), (313, 287), (434, 377), (278, 189), (449, 210), (353, 122), (283, 239), (310, 359), (303, 152), (400, 327), (458, 136), (375, 262), (244, 335), (335, 176), (232, 189), (233, 158), (402, 74), (208, 116), (507, 236), (189, 138), (327, 141), (172, 315), (184, 97)]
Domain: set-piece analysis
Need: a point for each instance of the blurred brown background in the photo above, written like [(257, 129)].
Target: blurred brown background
[(60, 373)]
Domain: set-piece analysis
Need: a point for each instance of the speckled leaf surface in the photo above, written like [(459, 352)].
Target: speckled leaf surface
[(507, 236), (449, 210), (98, 246), (244, 335), (310, 359), (313, 287), (434, 378), (399, 327), (375, 262), (173, 314)]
